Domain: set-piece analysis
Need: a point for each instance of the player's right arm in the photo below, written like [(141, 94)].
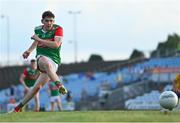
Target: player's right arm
[(30, 49)]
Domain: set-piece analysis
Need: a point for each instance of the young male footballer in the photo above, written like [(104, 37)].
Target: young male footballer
[(47, 41)]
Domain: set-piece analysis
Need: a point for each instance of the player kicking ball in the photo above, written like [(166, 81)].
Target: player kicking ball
[(47, 41)]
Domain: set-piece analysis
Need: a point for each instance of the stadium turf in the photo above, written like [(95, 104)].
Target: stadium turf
[(92, 116)]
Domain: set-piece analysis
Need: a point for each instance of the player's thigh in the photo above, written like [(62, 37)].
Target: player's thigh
[(45, 62), (52, 104), (58, 100), (58, 103)]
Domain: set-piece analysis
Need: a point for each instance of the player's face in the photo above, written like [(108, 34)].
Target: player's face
[(48, 23), (33, 65)]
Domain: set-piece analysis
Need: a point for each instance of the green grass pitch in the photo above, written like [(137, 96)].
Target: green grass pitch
[(92, 116)]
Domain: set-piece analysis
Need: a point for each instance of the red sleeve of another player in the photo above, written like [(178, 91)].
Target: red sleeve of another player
[(59, 32), (25, 72)]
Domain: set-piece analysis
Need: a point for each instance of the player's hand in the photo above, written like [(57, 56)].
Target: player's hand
[(26, 54), (176, 90), (35, 37)]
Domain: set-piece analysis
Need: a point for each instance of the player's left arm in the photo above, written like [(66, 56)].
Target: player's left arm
[(52, 44)]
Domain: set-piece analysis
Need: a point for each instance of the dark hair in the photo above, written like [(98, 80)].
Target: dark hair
[(33, 60), (47, 14)]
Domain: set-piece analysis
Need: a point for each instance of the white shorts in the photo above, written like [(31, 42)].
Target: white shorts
[(55, 66), (55, 99)]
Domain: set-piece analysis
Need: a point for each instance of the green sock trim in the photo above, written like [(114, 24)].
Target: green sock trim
[(57, 82)]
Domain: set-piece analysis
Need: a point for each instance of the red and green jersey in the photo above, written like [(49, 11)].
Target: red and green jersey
[(53, 53), (30, 76), (54, 90)]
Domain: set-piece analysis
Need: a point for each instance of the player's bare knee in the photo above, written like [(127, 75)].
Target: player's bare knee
[(48, 66)]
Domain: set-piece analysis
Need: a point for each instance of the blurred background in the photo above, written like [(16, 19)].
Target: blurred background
[(116, 54)]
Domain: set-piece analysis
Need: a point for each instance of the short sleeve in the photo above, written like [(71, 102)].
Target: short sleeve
[(25, 72), (59, 31)]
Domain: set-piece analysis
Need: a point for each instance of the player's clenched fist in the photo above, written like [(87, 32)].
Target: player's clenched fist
[(26, 54)]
